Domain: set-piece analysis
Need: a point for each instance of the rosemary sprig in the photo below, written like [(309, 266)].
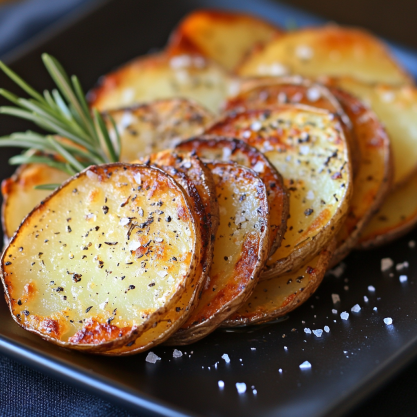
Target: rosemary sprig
[(75, 139)]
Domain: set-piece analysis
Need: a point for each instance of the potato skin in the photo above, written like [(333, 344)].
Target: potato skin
[(266, 302), (231, 280), (98, 334), (217, 148)]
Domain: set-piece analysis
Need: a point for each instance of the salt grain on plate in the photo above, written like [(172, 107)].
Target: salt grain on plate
[(334, 311), (401, 266), (241, 387), (152, 358), (285, 348), (226, 358), (356, 308), (403, 278), (220, 384), (344, 315), (327, 329), (388, 320), (346, 288), (176, 353), (365, 298), (305, 365), (339, 270), (255, 392), (371, 288), (280, 370), (375, 309), (318, 332), (411, 244), (386, 263), (252, 348), (307, 330), (335, 298)]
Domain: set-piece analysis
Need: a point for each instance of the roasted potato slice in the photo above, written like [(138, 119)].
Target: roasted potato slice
[(396, 107), (225, 37), (183, 168), (278, 296), (155, 126), (240, 250), (327, 50), (373, 180), (309, 149), (260, 93), (396, 217), (20, 196), (160, 76), (92, 267), (215, 148)]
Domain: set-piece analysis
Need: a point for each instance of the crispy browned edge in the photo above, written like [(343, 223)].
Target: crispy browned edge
[(178, 42), (367, 36), (211, 219), (101, 347), (197, 332), (249, 151), (349, 101), (300, 297)]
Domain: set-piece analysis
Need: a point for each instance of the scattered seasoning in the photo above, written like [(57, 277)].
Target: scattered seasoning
[(76, 277), (327, 329), (241, 387), (152, 358), (388, 321), (220, 384), (176, 353), (371, 288), (375, 309), (344, 315), (25, 312), (105, 209), (305, 365), (308, 212), (403, 278), (386, 263), (401, 266), (88, 309), (307, 330), (226, 358), (335, 298), (365, 298), (356, 308), (318, 332)]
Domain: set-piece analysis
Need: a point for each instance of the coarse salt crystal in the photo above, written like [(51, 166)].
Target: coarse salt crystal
[(334, 311), (226, 358), (388, 320), (241, 387), (255, 126), (285, 348), (386, 263), (310, 195), (371, 288), (375, 309), (327, 329), (344, 315), (305, 365), (124, 221), (259, 167), (252, 348), (220, 384), (365, 298), (403, 278), (356, 308), (152, 358), (91, 175), (280, 370), (134, 245), (159, 239), (138, 179), (162, 273), (255, 392), (307, 330), (318, 332), (401, 266), (335, 298), (176, 353)]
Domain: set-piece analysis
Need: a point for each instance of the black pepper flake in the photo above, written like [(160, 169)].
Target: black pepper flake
[(131, 287), (308, 212), (177, 309), (123, 277), (168, 219), (130, 344), (25, 312), (19, 302), (105, 209), (59, 289), (88, 309), (69, 230), (8, 263), (76, 277), (111, 243), (151, 284), (226, 258)]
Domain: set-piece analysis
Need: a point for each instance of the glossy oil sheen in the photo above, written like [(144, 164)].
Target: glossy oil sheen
[(336, 381)]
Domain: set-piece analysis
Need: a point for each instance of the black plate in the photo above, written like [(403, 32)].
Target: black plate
[(347, 364)]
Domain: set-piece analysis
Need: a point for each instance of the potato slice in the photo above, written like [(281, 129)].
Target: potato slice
[(396, 217), (373, 180), (240, 250), (183, 168), (204, 32), (309, 149), (215, 148), (327, 50), (158, 125), (93, 267), (160, 76), (20, 196), (278, 296), (396, 107), (260, 93)]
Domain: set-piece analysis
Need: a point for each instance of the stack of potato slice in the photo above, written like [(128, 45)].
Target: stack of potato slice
[(248, 168)]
